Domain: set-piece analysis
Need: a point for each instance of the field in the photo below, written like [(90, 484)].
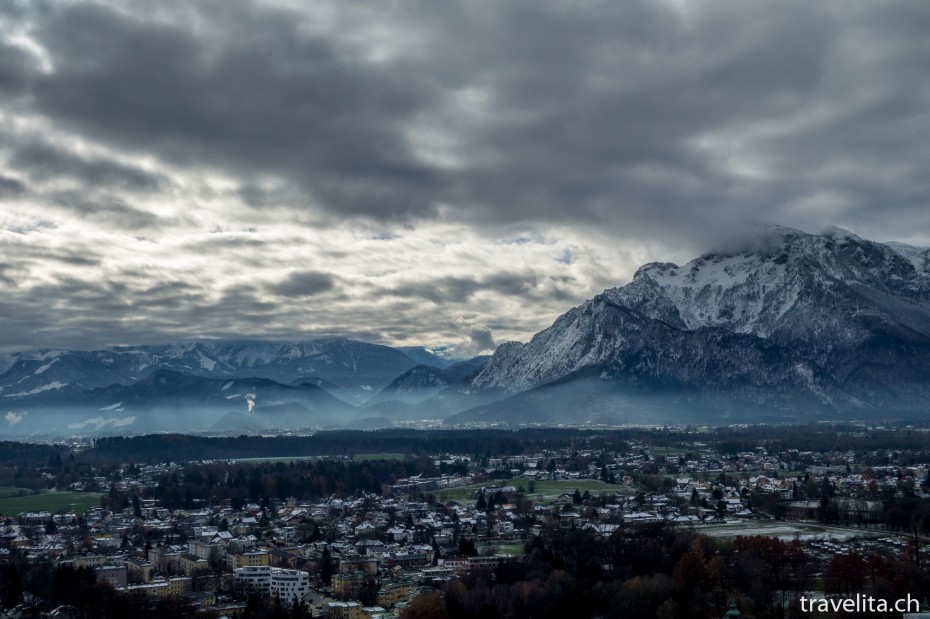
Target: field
[(276, 459), (49, 501), (387, 456), (785, 531), (505, 548), (545, 490), (12, 491), (289, 459)]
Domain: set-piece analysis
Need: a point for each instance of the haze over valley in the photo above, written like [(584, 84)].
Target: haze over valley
[(791, 326)]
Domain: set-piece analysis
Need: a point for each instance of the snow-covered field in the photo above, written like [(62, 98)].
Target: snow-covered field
[(785, 531)]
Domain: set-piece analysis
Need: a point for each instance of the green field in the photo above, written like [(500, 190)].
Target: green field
[(49, 501), (545, 490), (367, 457), (289, 459), (516, 549), (12, 491), (673, 451), (276, 459)]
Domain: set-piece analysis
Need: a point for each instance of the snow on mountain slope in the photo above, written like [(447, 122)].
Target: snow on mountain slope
[(781, 289), (852, 312), (355, 367)]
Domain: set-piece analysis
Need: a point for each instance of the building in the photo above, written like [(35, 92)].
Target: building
[(254, 558), (91, 560), (201, 598), (345, 610), (367, 565), (167, 560), (348, 586), (257, 578), (288, 585), (394, 593), (113, 575), (139, 570), (161, 588), (191, 564)]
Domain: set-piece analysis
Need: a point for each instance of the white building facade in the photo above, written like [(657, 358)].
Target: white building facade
[(288, 585)]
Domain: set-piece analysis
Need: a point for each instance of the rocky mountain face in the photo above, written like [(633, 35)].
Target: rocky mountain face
[(793, 322)]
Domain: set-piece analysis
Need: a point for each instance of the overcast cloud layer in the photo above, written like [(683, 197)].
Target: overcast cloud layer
[(427, 172)]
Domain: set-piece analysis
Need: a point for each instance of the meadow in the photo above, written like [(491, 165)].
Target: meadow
[(53, 502), (543, 490)]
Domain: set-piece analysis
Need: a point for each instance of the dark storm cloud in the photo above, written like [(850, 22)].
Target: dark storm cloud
[(261, 97), (631, 115), (77, 256), (16, 70), (437, 290), (10, 186), (479, 339), (43, 162), (107, 209), (442, 290), (6, 275), (200, 156), (304, 284), (510, 283)]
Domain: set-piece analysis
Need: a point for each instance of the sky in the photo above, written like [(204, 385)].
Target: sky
[(430, 173)]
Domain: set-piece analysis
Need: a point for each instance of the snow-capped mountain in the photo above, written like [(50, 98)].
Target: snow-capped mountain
[(434, 357), (790, 325), (168, 400), (196, 386), (358, 369), (423, 381), (792, 321)]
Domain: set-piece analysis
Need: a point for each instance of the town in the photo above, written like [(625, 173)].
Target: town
[(383, 535)]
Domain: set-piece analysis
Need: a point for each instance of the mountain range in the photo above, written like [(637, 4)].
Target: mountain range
[(788, 326), (201, 385), (783, 326)]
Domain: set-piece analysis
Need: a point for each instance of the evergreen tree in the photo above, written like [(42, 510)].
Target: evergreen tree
[(299, 610), (11, 585), (326, 568)]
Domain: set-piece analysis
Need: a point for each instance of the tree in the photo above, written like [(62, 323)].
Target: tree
[(277, 611), (326, 568), (826, 488), (253, 607), (467, 548), (299, 610), (426, 606), (845, 574), (11, 585)]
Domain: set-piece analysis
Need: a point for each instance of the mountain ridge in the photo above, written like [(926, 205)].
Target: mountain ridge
[(846, 322)]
